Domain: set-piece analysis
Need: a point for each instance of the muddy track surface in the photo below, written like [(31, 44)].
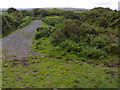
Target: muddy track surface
[(18, 44)]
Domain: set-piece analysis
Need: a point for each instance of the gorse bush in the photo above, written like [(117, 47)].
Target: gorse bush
[(100, 41), (102, 17), (71, 46), (52, 20), (25, 21), (8, 23), (93, 52), (57, 37), (116, 23), (70, 29), (12, 19), (44, 32), (82, 50), (68, 14)]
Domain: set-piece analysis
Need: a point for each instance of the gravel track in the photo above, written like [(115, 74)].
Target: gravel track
[(18, 44)]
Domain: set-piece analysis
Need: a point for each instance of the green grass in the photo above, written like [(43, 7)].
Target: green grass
[(55, 73), (50, 72)]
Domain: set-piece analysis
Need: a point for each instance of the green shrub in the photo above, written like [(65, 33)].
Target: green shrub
[(116, 23), (69, 14), (25, 21), (93, 52), (112, 48), (60, 26), (101, 17), (75, 30), (82, 49), (9, 23), (44, 32), (71, 29), (57, 37), (99, 41), (71, 46), (52, 20), (13, 19)]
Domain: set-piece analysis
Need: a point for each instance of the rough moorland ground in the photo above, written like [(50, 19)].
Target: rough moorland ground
[(53, 68)]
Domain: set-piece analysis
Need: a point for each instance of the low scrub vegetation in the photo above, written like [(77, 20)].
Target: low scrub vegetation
[(25, 21), (13, 19), (52, 20), (79, 38)]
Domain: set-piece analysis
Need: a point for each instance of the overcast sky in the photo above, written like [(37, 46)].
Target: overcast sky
[(88, 4)]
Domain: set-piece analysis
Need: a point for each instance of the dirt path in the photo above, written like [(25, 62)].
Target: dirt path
[(18, 44)]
